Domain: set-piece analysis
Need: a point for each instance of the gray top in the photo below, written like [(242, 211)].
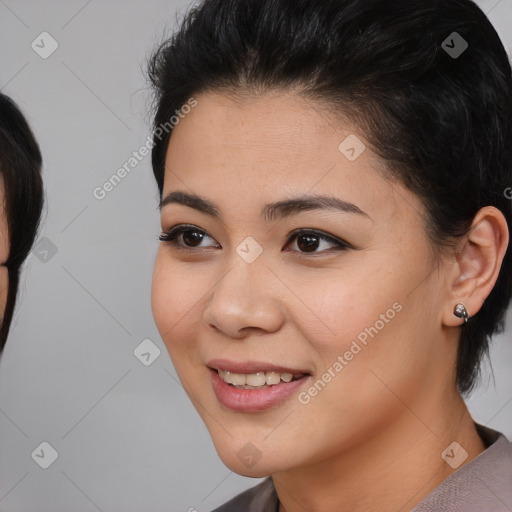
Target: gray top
[(482, 485)]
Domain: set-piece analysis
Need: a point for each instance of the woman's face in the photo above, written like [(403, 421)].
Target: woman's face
[(351, 306)]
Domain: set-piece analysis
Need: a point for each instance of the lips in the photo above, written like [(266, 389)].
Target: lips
[(254, 374), (254, 386), (250, 367)]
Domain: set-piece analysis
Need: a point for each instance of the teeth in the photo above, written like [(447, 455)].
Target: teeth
[(254, 380), (226, 376), (238, 379), (272, 378)]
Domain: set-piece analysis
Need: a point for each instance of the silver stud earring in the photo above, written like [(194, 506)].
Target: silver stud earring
[(460, 311)]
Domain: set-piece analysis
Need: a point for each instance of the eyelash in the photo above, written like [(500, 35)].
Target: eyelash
[(172, 234)]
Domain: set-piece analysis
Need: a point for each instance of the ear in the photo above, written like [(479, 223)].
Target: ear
[(477, 264)]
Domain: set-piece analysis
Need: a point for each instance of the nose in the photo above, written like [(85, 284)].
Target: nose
[(246, 299)]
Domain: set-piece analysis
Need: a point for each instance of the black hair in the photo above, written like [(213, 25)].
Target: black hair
[(20, 168), (439, 113)]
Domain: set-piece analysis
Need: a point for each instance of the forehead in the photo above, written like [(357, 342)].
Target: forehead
[(265, 125), (252, 149)]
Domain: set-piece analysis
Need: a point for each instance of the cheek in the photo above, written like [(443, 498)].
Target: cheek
[(345, 304), (175, 301), (366, 326)]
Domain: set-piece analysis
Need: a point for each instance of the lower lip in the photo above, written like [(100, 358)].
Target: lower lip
[(248, 400)]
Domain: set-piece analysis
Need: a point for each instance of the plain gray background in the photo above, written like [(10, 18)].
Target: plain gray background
[(126, 435)]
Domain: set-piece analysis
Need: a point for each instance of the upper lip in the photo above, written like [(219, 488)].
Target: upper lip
[(249, 367)]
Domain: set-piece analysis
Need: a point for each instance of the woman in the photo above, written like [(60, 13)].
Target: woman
[(334, 253), (21, 189)]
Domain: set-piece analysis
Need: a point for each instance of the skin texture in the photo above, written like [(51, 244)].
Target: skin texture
[(372, 438)]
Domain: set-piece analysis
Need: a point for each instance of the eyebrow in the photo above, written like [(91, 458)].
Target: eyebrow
[(271, 211)]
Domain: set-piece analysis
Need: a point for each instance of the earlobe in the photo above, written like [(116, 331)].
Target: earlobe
[(478, 265)]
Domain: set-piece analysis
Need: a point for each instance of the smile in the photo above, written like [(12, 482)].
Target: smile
[(253, 387), (257, 380)]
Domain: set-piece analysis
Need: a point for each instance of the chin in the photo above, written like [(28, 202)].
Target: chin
[(245, 459), (259, 470)]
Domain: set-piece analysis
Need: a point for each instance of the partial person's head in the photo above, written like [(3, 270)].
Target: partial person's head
[(21, 191), (400, 112)]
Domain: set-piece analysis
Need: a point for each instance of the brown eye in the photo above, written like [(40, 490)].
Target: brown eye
[(308, 241), (191, 237)]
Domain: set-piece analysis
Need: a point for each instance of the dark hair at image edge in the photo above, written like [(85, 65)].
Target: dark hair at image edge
[(20, 167), (443, 125)]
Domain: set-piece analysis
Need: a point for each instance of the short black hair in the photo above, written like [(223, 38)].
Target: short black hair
[(20, 168), (438, 113)]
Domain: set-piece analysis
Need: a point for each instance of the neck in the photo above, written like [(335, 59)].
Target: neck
[(394, 470)]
